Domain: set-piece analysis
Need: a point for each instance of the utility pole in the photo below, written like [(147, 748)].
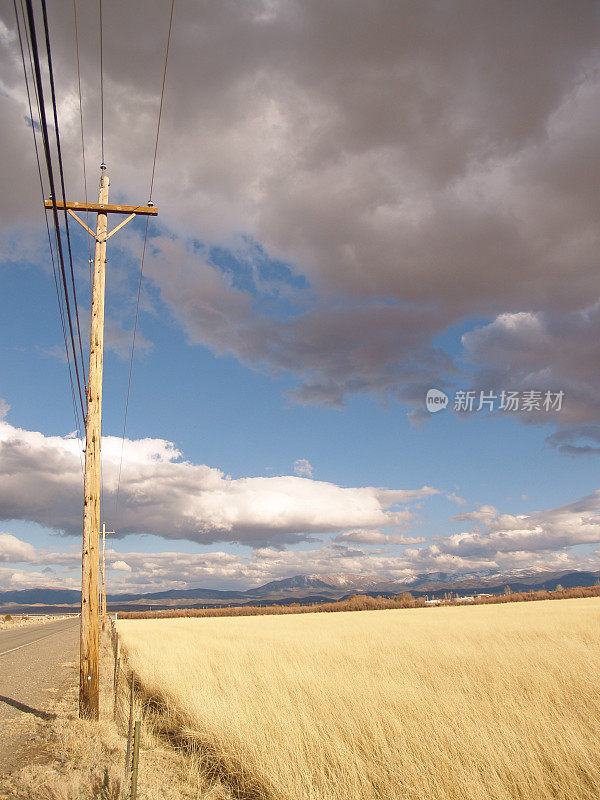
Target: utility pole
[(103, 605), (88, 655)]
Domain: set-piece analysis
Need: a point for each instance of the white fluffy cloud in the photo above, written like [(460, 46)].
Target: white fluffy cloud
[(41, 481), (13, 549), (551, 530), (376, 537), (500, 543), (484, 513), (11, 578)]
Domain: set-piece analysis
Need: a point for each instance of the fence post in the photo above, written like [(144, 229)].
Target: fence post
[(136, 755), (116, 686), (116, 647), (128, 754)]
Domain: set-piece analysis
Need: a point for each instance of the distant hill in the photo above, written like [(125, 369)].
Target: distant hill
[(40, 595), (304, 589)]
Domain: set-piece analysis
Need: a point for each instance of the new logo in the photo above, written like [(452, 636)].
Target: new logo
[(435, 400)]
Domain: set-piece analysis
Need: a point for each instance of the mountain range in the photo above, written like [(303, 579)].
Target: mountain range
[(301, 589)]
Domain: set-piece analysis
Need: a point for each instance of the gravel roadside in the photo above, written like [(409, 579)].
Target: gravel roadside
[(37, 666)]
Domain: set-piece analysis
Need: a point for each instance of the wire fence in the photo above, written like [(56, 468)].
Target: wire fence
[(124, 692)]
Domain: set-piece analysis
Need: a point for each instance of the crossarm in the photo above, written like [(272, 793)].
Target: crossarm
[(108, 208)]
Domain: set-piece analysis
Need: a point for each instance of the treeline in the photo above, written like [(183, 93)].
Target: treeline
[(362, 602), (539, 594)]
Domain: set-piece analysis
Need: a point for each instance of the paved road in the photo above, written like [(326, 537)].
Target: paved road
[(36, 665), (28, 634)]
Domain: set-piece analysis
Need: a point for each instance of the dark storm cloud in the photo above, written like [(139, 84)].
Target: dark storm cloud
[(418, 163)]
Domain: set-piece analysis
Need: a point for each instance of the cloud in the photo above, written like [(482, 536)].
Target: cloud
[(572, 524), (500, 544), (377, 537), (543, 351), (172, 570), (411, 178), (303, 468), (484, 513), (41, 481), (334, 348), (13, 550), (582, 440), (11, 578), (455, 498)]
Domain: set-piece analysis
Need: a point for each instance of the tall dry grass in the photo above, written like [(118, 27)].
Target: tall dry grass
[(493, 702)]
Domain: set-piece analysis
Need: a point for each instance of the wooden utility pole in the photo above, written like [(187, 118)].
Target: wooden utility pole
[(103, 605), (88, 660)]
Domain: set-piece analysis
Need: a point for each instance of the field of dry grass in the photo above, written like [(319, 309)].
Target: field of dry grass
[(491, 702)]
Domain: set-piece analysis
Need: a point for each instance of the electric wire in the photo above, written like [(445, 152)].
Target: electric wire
[(87, 215), (103, 165), (101, 86), (162, 95), (79, 422), (54, 270), (48, 159), (137, 306), (62, 183), (39, 169)]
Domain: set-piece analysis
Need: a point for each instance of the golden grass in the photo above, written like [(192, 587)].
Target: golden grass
[(491, 702)]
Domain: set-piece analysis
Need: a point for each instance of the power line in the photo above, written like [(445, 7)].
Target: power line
[(162, 95), (137, 308), (87, 220), (101, 86), (79, 425), (39, 169), (45, 139), (62, 182), (137, 305), (103, 166)]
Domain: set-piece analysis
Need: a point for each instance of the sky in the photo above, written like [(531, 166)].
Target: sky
[(358, 203)]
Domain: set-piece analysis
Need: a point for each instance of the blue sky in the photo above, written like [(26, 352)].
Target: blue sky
[(309, 277)]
